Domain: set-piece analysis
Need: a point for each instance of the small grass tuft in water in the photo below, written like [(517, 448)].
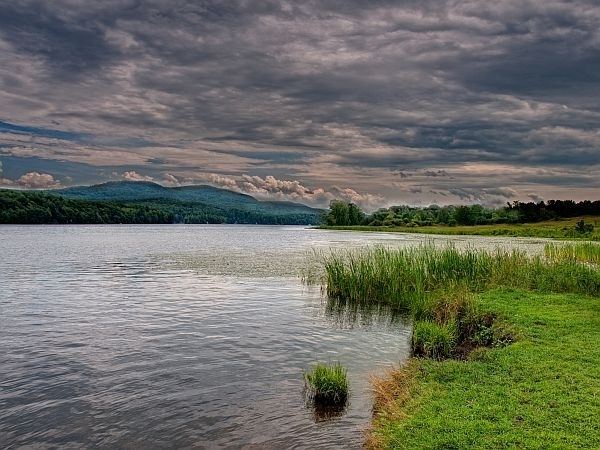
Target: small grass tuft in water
[(327, 384)]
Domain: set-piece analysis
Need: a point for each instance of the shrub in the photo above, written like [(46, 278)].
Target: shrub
[(584, 228)]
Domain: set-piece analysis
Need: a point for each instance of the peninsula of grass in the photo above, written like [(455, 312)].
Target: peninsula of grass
[(505, 347), (556, 229), (327, 385)]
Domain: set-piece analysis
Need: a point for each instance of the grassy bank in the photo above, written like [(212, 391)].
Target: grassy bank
[(558, 229), (504, 345), (542, 391)]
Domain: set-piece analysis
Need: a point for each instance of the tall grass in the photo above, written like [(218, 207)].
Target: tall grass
[(327, 385), (406, 278), (433, 339), (433, 286), (584, 252)]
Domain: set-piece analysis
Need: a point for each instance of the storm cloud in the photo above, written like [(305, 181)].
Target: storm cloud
[(413, 101)]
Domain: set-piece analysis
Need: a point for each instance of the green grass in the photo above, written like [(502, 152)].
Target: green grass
[(543, 391), (505, 346), (408, 278), (559, 229), (434, 340), (585, 252), (327, 384)]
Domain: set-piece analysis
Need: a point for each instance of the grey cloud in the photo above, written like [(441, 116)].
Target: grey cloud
[(271, 187), (321, 88), (536, 198), (436, 173), (491, 197)]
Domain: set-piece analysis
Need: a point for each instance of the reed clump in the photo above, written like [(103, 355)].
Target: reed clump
[(587, 252), (407, 277), (434, 285), (327, 384)]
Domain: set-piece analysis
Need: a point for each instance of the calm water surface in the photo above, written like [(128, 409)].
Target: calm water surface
[(182, 337)]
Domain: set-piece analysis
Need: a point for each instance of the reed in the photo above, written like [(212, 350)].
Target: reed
[(588, 252), (327, 384), (433, 286), (407, 278)]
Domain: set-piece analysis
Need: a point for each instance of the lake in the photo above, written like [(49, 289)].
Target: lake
[(184, 336)]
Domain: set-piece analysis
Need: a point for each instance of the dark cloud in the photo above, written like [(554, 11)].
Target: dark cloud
[(491, 197), (452, 96), (436, 173)]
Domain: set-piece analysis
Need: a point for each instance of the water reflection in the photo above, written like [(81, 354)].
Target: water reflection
[(327, 413), (346, 314), (106, 343)]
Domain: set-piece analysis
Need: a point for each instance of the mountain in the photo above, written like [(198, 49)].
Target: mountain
[(145, 202), (133, 191)]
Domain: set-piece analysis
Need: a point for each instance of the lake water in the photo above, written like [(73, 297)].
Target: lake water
[(183, 336)]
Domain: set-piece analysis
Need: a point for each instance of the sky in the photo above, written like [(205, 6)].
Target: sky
[(377, 102)]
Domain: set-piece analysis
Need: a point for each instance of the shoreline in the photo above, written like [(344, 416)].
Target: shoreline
[(561, 229), (540, 390), (503, 346)]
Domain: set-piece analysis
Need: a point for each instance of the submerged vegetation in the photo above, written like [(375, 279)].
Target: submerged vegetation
[(327, 385), (518, 323)]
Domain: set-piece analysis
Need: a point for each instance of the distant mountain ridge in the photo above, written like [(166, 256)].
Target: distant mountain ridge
[(128, 191), (142, 202)]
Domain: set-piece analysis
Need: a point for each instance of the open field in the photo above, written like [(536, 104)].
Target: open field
[(558, 229)]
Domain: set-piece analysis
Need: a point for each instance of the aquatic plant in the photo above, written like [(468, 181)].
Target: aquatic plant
[(327, 384), (433, 286), (407, 278), (584, 252)]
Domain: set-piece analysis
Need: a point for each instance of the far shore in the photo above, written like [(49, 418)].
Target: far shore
[(555, 229)]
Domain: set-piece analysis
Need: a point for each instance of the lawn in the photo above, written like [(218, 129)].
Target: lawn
[(542, 391)]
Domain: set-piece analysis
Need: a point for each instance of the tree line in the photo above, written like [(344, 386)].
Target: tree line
[(26, 207), (342, 213)]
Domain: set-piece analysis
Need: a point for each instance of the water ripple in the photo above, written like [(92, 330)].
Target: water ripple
[(183, 336)]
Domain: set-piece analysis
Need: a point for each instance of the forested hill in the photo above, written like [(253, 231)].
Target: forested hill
[(145, 202)]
